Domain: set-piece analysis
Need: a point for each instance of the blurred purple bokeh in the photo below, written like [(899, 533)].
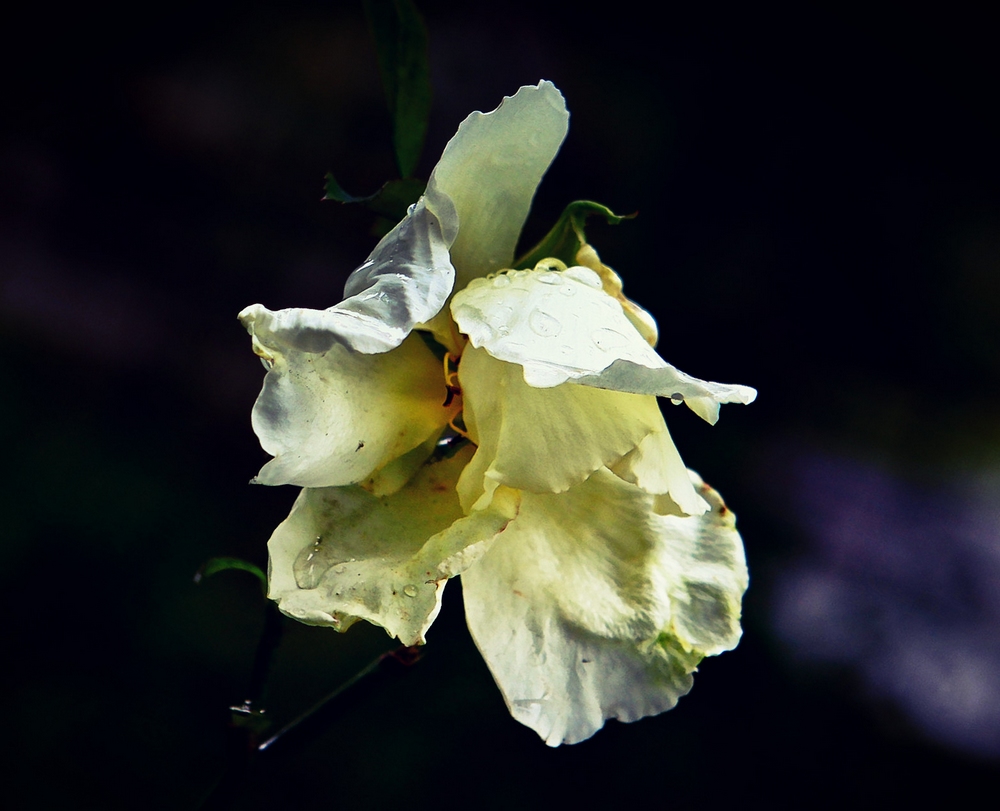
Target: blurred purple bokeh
[(901, 581)]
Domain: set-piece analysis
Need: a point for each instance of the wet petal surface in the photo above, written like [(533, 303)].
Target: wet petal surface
[(344, 554), (560, 326)]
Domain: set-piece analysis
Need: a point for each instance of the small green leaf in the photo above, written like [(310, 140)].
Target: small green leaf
[(334, 191), (215, 565), (567, 235), (395, 197), (401, 45), (390, 202)]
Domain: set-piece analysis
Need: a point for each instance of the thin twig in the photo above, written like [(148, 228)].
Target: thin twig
[(405, 656)]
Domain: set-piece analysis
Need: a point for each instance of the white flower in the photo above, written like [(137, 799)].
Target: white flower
[(597, 570)]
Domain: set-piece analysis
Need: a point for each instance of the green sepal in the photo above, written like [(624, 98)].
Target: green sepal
[(391, 201), (334, 191), (222, 564), (567, 235), (401, 45), (396, 196)]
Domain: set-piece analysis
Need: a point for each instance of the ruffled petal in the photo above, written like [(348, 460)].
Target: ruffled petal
[(331, 416), (344, 554), (542, 440), (490, 170), (592, 606), (405, 281), (560, 326)]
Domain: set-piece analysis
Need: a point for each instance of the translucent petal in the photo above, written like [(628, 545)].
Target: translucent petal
[(592, 606), (344, 554), (560, 326), (490, 170), (542, 440), (333, 416)]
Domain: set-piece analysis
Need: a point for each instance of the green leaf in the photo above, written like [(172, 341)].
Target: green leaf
[(334, 191), (567, 235), (395, 197), (401, 45), (222, 564)]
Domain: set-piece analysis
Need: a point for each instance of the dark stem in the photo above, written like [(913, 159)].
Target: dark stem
[(247, 723), (387, 665)]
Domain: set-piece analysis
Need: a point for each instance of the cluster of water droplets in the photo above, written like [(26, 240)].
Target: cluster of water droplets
[(314, 563), (558, 305)]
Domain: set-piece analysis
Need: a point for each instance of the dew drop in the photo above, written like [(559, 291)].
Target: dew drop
[(410, 591), (676, 398), (585, 276), (607, 339), (550, 263), (502, 281), (550, 278), (309, 566), (567, 290), (543, 324)]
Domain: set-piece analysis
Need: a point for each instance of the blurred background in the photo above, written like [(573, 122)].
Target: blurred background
[(819, 217)]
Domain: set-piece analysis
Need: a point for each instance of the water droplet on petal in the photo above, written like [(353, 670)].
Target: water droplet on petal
[(585, 276), (550, 278), (313, 563), (676, 398), (410, 591), (543, 324), (502, 281), (608, 339)]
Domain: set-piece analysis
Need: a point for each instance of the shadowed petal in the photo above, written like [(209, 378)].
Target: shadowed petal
[(595, 607), (406, 280)]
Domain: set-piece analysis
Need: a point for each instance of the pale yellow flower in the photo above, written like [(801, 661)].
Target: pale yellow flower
[(597, 571)]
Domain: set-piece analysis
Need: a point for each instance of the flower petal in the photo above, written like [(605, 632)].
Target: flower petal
[(542, 440), (490, 170), (656, 467), (331, 416), (405, 281), (562, 327), (592, 606), (344, 554)]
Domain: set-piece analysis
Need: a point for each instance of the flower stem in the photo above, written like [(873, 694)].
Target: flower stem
[(388, 664), (379, 671)]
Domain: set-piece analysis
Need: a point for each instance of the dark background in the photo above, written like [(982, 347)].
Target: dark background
[(819, 217)]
